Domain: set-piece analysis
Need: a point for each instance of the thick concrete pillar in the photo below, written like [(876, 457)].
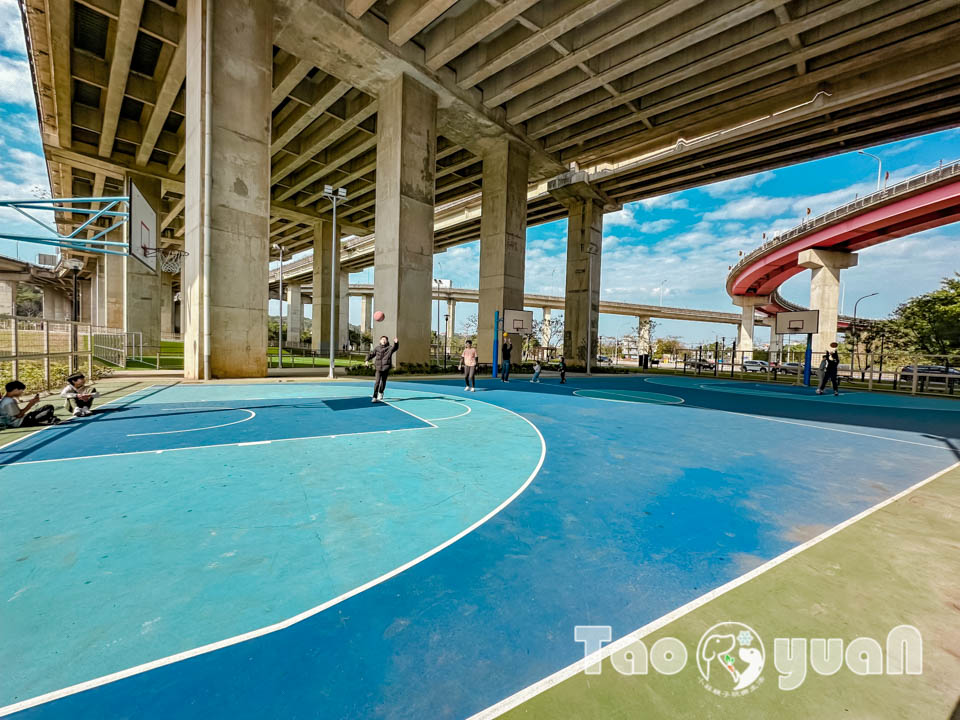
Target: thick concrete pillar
[(114, 290), (142, 302), (406, 165), (503, 242), (825, 290), (166, 303), (322, 279), (343, 311), (545, 328), (748, 305), (365, 312), (581, 314), (643, 336), (294, 313), (84, 288), (451, 321), (8, 297), (240, 85)]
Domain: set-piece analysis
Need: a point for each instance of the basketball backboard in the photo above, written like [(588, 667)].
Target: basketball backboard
[(802, 322), (518, 321), (142, 229)]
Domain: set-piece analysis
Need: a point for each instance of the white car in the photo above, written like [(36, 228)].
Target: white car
[(755, 366)]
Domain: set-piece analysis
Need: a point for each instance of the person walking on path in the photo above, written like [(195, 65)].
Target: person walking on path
[(563, 371), (468, 365), (536, 372), (382, 356), (830, 364)]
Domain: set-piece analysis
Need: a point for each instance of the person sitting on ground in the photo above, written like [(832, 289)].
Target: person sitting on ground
[(13, 416), (81, 396)]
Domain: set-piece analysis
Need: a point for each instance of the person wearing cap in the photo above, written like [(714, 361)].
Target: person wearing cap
[(79, 394)]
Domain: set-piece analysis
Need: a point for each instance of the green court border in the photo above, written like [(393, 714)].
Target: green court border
[(892, 566)]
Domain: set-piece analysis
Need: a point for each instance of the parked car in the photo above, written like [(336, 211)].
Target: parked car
[(932, 375), (755, 366), (705, 363), (604, 360), (789, 368)]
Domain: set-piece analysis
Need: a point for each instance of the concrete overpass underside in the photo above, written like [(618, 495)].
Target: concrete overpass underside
[(641, 98)]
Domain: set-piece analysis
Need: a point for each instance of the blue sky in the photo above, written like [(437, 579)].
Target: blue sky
[(684, 241)]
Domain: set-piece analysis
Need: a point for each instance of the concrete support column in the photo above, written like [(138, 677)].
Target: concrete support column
[(581, 312), (406, 165), (643, 336), (343, 324), (8, 297), (451, 321), (503, 242), (825, 290), (365, 314), (239, 86), (545, 329), (84, 288), (294, 313), (748, 305), (322, 257), (166, 303), (142, 301), (775, 342), (114, 290)]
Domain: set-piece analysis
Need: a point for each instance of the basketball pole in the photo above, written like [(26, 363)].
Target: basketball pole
[(333, 287), (807, 359)]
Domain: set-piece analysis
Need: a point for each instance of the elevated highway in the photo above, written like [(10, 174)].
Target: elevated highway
[(828, 243)]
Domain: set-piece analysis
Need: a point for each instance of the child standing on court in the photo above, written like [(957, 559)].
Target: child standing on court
[(563, 370), (81, 396), (468, 365), (536, 371)]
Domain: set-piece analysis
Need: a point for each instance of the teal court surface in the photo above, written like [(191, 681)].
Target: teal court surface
[(294, 550)]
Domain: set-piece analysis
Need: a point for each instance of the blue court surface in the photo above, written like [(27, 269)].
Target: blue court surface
[(292, 550)]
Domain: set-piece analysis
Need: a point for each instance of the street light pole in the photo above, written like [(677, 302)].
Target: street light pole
[(446, 320), (661, 292), (334, 196), (879, 165), (436, 282), (280, 319), (73, 264), (855, 336)]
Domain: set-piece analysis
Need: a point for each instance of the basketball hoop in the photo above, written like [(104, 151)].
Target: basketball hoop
[(169, 260)]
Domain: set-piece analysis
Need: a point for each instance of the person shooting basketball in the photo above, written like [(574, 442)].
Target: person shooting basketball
[(382, 357)]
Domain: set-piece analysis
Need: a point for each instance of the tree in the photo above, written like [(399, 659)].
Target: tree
[(671, 345), (470, 326), (29, 301), (928, 324)]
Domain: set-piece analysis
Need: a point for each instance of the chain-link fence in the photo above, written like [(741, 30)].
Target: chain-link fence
[(863, 369)]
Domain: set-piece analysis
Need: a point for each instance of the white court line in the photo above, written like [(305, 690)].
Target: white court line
[(556, 678), (186, 654), (215, 445), (47, 427), (680, 400), (388, 402), (211, 427), (452, 417)]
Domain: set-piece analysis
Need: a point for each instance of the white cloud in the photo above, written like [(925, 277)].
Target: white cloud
[(652, 227), (624, 216), (753, 206), (16, 86), (665, 202), (11, 28), (735, 186)]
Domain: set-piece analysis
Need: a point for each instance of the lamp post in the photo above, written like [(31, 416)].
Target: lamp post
[(855, 337), (334, 196), (879, 165), (662, 282), (74, 264), (280, 318), (436, 281), (446, 319)]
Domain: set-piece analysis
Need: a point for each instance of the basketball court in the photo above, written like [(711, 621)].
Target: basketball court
[(291, 549)]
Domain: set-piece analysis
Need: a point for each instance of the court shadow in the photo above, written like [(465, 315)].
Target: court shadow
[(352, 403)]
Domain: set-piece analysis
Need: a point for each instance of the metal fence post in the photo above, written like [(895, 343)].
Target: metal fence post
[(870, 366), (46, 353), (916, 374), (14, 347)]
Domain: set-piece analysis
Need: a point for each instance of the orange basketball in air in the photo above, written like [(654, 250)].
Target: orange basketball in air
[(378, 316)]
